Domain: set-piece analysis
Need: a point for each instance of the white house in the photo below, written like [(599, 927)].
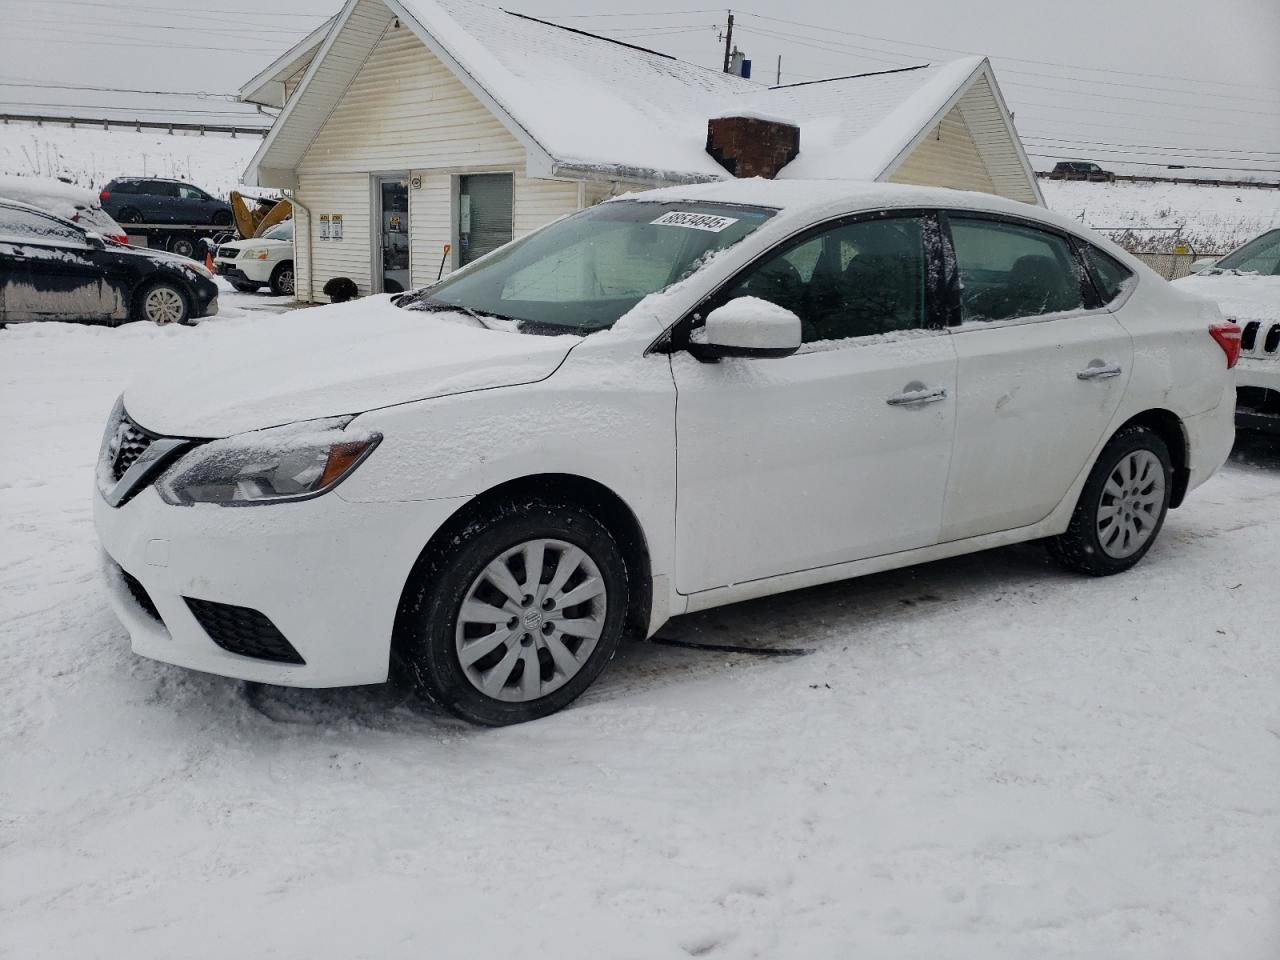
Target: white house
[(409, 125)]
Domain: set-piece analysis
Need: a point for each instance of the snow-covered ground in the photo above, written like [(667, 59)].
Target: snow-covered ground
[(984, 757), (1212, 219), (90, 156)]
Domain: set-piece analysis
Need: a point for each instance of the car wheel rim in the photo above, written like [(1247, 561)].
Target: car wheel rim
[(530, 620), (1130, 505), (286, 281), (164, 305)]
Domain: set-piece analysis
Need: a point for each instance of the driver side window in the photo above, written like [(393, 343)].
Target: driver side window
[(856, 280)]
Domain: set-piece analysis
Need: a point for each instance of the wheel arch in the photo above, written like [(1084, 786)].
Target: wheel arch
[(599, 500), (154, 278), (1168, 426)]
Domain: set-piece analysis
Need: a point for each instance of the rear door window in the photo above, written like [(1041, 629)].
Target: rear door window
[(21, 226), (1008, 270)]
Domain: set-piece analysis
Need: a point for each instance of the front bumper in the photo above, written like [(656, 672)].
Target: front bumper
[(327, 573), (246, 270), (1258, 400)]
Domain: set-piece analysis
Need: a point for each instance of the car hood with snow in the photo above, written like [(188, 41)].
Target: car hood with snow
[(333, 360), (1241, 296)]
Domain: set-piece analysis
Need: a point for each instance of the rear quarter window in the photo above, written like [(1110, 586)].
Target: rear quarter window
[(1110, 277)]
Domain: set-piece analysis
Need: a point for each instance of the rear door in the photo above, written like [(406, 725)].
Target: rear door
[(51, 272), (1041, 372)]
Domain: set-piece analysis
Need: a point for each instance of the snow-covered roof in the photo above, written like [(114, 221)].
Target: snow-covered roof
[(585, 106), (48, 194), (267, 87)]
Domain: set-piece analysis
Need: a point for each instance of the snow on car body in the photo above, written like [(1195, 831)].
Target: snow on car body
[(494, 501), (64, 199), (1246, 286)]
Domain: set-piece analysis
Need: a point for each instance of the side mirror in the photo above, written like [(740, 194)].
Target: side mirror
[(1204, 263), (95, 240), (749, 327)]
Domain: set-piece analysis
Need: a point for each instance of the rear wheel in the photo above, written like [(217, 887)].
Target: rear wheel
[(163, 303), (129, 215), (221, 218), (518, 615), (282, 279), (183, 246), (1122, 506)]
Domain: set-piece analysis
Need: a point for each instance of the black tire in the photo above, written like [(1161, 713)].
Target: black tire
[(245, 287), (282, 279), (426, 649), (183, 246), (221, 218), (140, 303), (1081, 548), (129, 215)]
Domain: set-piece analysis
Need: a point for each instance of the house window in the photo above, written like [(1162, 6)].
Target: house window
[(484, 214)]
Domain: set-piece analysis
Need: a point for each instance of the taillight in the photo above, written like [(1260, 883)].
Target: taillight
[(1227, 336), (120, 238), (104, 195)]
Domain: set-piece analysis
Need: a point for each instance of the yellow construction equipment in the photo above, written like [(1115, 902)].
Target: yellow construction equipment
[(266, 212)]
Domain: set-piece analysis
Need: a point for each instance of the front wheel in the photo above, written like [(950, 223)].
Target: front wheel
[(1122, 506), (163, 303), (282, 279), (518, 614)]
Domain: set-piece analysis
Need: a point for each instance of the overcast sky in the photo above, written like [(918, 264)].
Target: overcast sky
[(1109, 80)]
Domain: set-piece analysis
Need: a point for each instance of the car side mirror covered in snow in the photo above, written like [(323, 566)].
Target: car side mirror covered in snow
[(95, 241), (1204, 263), (748, 327)]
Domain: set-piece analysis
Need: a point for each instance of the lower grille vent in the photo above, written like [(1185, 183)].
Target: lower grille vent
[(243, 631)]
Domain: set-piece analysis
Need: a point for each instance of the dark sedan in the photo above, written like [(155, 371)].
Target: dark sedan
[(53, 269)]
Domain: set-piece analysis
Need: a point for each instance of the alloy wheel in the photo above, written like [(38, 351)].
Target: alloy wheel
[(530, 620), (164, 305), (1131, 503)]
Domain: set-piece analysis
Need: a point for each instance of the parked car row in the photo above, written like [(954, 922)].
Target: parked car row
[(485, 484)]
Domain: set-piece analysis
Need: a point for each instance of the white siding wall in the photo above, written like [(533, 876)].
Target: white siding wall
[(947, 157), (405, 111)]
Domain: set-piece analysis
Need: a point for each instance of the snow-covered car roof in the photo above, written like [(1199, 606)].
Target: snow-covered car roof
[(47, 194)]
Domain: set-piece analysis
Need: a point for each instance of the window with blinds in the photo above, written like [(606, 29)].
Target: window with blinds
[(484, 214)]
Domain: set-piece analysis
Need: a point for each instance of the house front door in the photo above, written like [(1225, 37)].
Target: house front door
[(391, 223)]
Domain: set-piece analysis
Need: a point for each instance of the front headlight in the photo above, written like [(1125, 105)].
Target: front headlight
[(198, 269), (260, 254), (296, 462)]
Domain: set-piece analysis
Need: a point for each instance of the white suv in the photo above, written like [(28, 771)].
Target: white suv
[(661, 404), (1246, 286), (268, 259)]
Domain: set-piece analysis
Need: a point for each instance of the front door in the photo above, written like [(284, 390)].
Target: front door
[(839, 452), (1040, 376), (391, 221)]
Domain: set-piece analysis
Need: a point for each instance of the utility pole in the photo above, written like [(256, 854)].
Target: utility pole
[(728, 41)]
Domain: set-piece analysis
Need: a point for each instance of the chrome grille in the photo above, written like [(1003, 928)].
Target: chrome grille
[(130, 442), (1260, 339)]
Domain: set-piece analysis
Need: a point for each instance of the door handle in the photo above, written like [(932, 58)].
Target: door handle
[(912, 398), (1102, 371)]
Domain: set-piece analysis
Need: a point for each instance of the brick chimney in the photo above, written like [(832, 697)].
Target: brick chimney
[(752, 146)]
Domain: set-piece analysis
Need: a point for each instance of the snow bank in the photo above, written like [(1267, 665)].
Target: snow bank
[(90, 156), (1211, 219)]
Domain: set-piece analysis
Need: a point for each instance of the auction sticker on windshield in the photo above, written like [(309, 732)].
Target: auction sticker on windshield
[(695, 221)]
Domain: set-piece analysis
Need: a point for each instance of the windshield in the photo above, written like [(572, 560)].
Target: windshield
[(283, 231), (1261, 255), (584, 272)]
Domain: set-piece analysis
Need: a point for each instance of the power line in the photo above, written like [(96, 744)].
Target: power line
[(47, 38), (207, 10), (1113, 96), (824, 28), (155, 93), (1142, 146), (806, 42)]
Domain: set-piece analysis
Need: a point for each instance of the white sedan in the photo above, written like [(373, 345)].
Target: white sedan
[(667, 402), (1246, 285)]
